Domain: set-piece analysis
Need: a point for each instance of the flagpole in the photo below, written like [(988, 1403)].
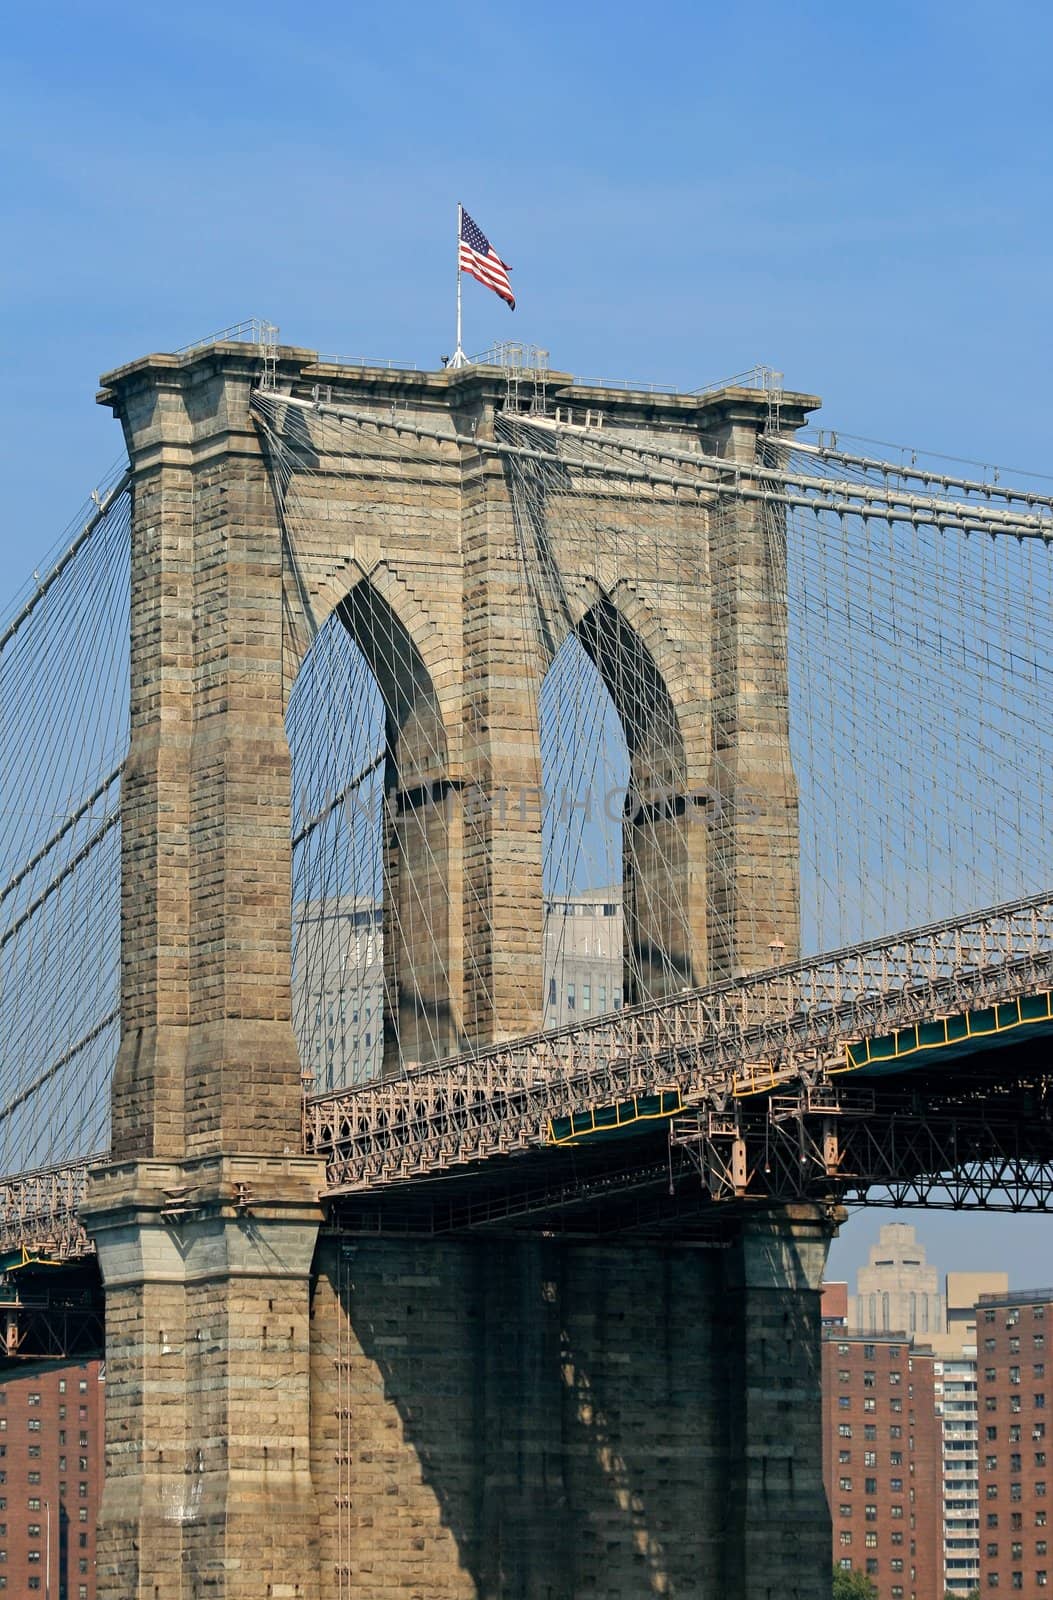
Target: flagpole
[(459, 359)]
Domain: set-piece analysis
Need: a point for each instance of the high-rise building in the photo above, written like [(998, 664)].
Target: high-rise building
[(582, 956), (338, 977), (956, 1407), (897, 1291), (881, 1461), (1015, 1396), (51, 1468)]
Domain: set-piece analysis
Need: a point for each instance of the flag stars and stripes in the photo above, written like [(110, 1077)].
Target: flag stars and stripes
[(477, 256)]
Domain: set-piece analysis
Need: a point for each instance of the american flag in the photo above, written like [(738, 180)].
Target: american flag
[(477, 256)]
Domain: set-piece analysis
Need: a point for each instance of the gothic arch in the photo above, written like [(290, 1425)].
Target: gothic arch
[(421, 978)]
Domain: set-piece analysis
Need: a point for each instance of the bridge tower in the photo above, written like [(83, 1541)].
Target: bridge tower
[(264, 1432)]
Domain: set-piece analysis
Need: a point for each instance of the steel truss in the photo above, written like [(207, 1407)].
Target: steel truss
[(778, 1027), (38, 1211), (892, 1146)]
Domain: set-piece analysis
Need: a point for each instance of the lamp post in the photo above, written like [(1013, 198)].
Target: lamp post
[(47, 1550)]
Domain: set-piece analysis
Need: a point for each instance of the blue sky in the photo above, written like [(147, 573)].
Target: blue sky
[(857, 195)]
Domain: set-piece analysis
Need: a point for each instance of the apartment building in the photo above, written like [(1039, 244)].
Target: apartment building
[(1015, 1410), (51, 1468), (882, 1461)]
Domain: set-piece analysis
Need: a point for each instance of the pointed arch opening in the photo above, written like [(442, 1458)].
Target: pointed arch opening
[(375, 983), (624, 856)]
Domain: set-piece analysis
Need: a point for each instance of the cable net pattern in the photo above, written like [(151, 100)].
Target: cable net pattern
[(915, 613), (64, 687), (915, 616)]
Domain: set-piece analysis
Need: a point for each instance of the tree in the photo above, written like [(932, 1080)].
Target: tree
[(853, 1586)]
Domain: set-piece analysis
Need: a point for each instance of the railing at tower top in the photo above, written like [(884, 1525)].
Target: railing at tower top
[(741, 1036)]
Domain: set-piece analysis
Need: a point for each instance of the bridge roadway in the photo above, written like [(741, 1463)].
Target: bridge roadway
[(959, 1010)]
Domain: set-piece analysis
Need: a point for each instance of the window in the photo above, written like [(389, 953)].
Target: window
[(1014, 1433), (992, 1519), (896, 1537), (895, 1432), (33, 1424), (82, 1514), (989, 1344), (843, 1402), (870, 1513), (1040, 1519), (32, 1477), (869, 1380), (62, 1386), (870, 1486), (1014, 1374), (871, 1405), (870, 1432), (895, 1511), (868, 1352), (844, 1375), (895, 1458), (32, 1555), (1040, 1402), (895, 1485), (1016, 1520), (846, 1511), (990, 1463), (1040, 1547), (895, 1377), (844, 1457), (1016, 1552), (33, 1503), (1014, 1462), (989, 1374), (846, 1536), (845, 1430), (870, 1458), (992, 1550), (992, 1580), (895, 1405), (845, 1484), (34, 1581), (872, 1566)]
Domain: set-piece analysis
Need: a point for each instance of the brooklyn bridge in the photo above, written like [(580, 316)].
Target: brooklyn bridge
[(493, 863)]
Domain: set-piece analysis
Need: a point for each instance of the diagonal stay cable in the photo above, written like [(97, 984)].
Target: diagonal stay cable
[(60, 833), (71, 865), (56, 1066)]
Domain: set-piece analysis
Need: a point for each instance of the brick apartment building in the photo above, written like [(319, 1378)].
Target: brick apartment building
[(881, 1461), (51, 1468), (1014, 1335)]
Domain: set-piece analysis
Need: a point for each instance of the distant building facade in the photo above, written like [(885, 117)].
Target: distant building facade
[(897, 1291), (338, 977), (957, 1409), (582, 960), (51, 1469), (338, 990), (1015, 1395), (881, 1461)]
